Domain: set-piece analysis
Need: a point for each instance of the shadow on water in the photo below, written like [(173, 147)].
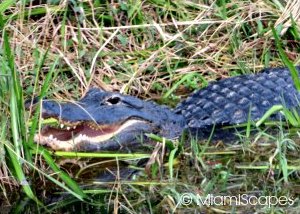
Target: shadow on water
[(98, 178)]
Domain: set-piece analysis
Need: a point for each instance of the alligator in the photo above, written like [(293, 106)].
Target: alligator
[(108, 121)]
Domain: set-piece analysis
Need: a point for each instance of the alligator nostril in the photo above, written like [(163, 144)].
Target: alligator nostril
[(113, 100)]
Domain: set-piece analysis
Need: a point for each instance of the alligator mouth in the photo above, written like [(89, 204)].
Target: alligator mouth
[(66, 136)]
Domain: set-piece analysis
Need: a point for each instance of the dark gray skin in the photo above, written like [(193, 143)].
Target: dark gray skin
[(226, 102), (109, 108)]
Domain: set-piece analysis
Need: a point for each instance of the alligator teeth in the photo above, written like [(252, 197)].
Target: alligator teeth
[(62, 126), (74, 127), (51, 137), (68, 128), (82, 137)]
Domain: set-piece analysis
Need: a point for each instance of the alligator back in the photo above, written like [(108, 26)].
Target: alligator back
[(228, 101)]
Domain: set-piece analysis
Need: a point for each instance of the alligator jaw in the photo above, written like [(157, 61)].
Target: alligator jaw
[(72, 136)]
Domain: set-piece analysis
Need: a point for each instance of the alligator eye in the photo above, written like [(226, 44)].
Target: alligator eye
[(113, 100)]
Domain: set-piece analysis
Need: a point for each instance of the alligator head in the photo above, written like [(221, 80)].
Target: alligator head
[(105, 121)]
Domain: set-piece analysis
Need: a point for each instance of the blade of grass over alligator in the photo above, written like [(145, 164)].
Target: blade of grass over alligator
[(111, 121)]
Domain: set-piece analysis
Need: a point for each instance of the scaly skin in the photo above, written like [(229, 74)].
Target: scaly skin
[(123, 120), (228, 101)]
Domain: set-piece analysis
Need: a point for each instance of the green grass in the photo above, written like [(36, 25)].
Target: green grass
[(159, 50)]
